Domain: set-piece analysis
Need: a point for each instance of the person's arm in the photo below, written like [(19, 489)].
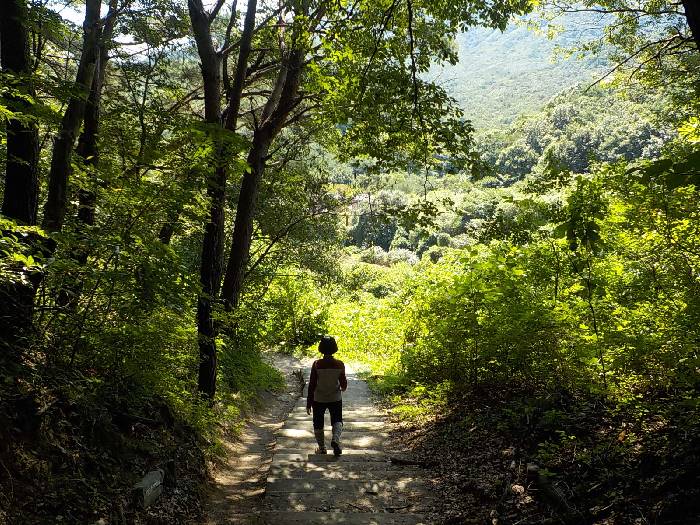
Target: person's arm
[(343, 380), (313, 379)]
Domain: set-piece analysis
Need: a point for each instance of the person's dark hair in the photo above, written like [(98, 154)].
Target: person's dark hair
[(327, 345)]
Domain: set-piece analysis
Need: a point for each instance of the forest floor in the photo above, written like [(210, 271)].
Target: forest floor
[(495, 456), (590, 462), (71, 450)]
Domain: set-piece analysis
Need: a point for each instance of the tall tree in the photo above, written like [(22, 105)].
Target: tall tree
[(273, 119), (57, 199), (367, 75), (88, 140), (212, 244), (390, 44), (211, 265), (21, 171), (87, 148), (21, 168)]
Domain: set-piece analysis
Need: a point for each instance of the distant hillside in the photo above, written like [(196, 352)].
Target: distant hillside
[(503, 75)]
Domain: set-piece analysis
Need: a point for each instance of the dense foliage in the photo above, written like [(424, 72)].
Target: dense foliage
[(189, 186), (494, 91), (565, 278), (560, 280)]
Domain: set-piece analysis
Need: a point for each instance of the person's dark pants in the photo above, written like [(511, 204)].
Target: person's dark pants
[(319, 411)]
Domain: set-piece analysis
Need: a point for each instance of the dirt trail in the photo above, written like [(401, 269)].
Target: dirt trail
[(239, 482), (273, 476)]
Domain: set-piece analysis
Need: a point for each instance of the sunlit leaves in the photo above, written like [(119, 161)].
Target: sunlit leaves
[(690, 130)]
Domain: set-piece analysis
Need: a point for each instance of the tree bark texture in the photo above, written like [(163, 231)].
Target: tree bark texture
[(692, 15), (212, 245), (88, 141), (21, 172), (57, 200)]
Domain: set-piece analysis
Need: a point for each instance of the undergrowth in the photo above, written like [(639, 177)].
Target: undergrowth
[(73, 441), (597, 461)]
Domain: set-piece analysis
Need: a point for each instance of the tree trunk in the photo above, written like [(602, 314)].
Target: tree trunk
[(87, 149), (212, 262), (88, 141), (21, 192), (289, 74), (57, 200), (234, 96), (692, 15), (212, 244), (210, 277), (243, 226), (17, 315), (21, 172), (165, 234)]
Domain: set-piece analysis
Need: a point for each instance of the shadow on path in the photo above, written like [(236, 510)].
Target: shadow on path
[(275, 478)]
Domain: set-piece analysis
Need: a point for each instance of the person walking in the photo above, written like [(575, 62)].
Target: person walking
[(326, 385)]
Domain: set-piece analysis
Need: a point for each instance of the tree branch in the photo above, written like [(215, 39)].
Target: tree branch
[(283, 233), (629, 58), (227, 49), (414, 69), (227, 40), (215, 11), (384, 26)]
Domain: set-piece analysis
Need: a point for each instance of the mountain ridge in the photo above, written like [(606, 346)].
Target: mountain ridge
[(503, 75)]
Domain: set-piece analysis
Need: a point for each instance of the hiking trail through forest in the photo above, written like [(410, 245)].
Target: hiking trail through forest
[(272, 476)]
